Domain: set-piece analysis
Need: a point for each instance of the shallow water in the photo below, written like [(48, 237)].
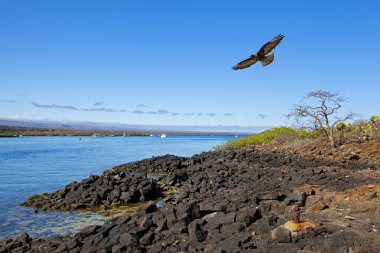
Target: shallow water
[(30, 165)]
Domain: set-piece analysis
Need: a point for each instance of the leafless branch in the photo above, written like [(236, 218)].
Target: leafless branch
[(320, 112)]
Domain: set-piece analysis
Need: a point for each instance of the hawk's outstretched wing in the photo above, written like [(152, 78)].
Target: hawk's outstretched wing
[(269, 46), (246, 63)]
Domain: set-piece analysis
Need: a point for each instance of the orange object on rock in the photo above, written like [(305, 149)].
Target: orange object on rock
[(295, 227)]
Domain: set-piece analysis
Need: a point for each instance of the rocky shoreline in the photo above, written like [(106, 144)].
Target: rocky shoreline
[(249, 200), (106, 190)]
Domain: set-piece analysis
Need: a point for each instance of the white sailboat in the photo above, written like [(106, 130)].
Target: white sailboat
[(163, 135), (124, 134)]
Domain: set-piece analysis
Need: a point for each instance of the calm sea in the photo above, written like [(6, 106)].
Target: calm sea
[(30, 165)]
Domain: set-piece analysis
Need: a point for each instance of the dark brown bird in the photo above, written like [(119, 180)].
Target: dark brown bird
[(261, 55)]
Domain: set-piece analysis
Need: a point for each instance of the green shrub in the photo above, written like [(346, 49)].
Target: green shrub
[(341, 126), (375, 119), (278, 134)]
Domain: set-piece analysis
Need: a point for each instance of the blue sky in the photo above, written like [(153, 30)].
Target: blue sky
[(169, 62)]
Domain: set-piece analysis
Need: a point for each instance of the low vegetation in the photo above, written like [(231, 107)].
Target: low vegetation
[(360, 131), (278, 134)]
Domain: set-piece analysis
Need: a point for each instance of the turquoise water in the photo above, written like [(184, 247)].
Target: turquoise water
[(30, 165)]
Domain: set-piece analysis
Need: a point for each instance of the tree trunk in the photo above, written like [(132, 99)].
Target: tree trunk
[(341, 136), (331, 138)]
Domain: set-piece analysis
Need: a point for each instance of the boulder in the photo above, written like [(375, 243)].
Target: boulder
[(281, 235)]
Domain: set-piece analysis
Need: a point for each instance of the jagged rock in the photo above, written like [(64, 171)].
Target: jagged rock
[(281, 235), (196, 232), (212, 206), (248, 216), (117, 188), (90, 230)]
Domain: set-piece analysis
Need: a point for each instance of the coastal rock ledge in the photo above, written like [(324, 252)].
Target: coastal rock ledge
[(95, 191), (249, 200)]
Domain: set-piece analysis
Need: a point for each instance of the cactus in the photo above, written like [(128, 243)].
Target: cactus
[(341, 127), (375, 122), (375, 119)]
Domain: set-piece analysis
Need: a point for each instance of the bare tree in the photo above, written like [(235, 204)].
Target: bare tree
[(320, 113)]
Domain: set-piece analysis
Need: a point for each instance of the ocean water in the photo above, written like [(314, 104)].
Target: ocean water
[(30, 165)]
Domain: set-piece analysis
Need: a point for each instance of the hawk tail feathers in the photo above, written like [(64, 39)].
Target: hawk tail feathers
[(267, 60)]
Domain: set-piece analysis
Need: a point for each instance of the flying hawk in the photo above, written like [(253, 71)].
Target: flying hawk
[(261, 55)]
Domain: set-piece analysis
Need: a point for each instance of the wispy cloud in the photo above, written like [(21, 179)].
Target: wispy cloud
[(262, 116), (167, 112), (99, 103), (228, 114), (24, 117), (99, 109), (140, 105), (138, 112), (67, 107), (9, 101), (72, 108), (162, 111)]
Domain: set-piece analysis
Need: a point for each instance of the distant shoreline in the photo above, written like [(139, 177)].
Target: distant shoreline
[(17, 131)]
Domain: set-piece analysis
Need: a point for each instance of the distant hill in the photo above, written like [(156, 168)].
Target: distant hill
[(96, 126)]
